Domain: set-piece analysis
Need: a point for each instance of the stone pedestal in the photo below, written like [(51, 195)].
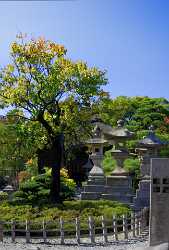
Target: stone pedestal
[(118, 188), (95, 185)]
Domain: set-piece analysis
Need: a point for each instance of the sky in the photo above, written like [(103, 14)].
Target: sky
[(127, 38)]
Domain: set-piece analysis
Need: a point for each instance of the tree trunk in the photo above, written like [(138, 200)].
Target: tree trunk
[(56, 164)]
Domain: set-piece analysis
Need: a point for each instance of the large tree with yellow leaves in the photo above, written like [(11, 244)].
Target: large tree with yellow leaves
[(43, 83)]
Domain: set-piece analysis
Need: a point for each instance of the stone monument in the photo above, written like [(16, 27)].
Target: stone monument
[(119, 185), (96, 180), (159, 202), (149, 147)]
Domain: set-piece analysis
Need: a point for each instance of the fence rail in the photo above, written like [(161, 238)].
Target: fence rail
[(119, 228)]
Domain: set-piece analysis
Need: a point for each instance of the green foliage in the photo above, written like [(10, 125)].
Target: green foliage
[(68, 210), (37, 81), (138, 114), (53, 94), (132, 166), (36, 190), (3, 196), (108, 163)]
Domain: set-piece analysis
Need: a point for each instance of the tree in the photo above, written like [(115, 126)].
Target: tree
[(12, 154), (38, 81), (138, 114)]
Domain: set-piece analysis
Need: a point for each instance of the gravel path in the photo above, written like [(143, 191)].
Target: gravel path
[(131, 244)]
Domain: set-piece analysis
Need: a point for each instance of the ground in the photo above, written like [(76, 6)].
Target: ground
[(131, 244)]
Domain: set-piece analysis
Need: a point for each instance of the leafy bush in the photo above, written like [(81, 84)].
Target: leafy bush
[(68, 210), (3, 196), (133, 167), (108, 163), (37, 189)]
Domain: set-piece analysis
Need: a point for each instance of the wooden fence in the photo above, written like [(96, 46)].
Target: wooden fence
[(118, 228)]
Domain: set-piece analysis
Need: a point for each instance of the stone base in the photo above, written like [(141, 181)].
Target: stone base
[(93, 190), (118, 188), (90, 195), (127, 199), (121, 181), (96, 180)]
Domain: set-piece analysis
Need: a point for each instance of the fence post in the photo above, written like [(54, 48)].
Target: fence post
[(91, 229), (133, 224), (13, 223), (1, 231), (104, 228), (77, 230), (62, 239), (27, 231), (125, 227), (115, 227), (44, 231), (145, 212), (141, 221), (137, 224)]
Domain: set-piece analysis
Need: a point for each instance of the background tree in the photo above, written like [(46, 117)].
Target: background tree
[(37, 82), (138, 114)]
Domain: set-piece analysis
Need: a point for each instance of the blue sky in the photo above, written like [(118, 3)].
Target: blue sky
[(128, 38)]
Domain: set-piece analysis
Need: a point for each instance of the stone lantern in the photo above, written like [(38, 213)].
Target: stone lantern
[(96, 179), (149, 147), (119, 183), (9, 190)]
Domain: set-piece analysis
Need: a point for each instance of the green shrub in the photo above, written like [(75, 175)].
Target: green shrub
[(3, 196), (69, 210), (36, 190), (108, 163)]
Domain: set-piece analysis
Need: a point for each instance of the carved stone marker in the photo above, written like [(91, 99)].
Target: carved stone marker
[(159, 201)]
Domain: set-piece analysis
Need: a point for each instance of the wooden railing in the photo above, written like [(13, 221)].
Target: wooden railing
[(119, 228)]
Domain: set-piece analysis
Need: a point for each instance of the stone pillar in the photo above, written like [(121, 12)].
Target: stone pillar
[(159, 202)]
